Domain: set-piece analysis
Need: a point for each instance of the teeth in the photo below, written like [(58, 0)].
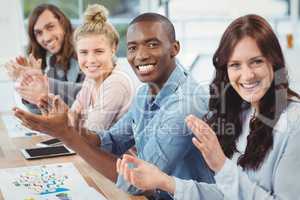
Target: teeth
[(92, 67), (145, 68), (249, 85), (51, 44)]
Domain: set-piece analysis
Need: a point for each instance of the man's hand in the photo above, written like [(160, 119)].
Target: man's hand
[(144, 175), (32, 88), (16, 68), (54, 124)]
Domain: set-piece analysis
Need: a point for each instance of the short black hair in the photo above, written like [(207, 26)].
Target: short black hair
[(155, 17)]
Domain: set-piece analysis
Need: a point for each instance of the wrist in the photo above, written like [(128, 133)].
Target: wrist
[(167, 183), (221, 165)]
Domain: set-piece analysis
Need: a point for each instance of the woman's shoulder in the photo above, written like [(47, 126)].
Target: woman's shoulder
[(289, 120), (119, 78)]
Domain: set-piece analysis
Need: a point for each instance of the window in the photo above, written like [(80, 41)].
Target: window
[(121, 12)]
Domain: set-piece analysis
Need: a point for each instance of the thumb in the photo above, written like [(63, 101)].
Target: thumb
[(132, 159)]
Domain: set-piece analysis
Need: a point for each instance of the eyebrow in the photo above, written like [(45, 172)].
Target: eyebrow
[(253, 58), (145, 41), (37, 29), (152, 40)]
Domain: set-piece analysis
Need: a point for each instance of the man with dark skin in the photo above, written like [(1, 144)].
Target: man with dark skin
[(154, 123)]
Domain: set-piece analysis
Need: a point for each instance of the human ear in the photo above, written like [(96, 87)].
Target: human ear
[(175, 49)]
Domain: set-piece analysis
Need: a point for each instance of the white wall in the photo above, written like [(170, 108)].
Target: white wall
[(12, 42)]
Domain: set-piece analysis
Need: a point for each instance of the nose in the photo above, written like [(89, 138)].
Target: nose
[(47, 37), (91, 58), (247, 73), (142, 54)]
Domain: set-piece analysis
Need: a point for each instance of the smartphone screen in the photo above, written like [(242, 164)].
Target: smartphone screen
[(44, 152), (51, 141)]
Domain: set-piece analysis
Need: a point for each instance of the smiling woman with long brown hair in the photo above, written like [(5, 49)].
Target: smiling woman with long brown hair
[(250, 136)]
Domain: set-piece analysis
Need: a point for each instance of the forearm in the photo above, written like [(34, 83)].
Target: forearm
[(103, 162), (235, 184), (90, 137)]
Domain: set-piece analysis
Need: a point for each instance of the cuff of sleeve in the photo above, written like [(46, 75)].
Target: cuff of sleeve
[(225, 178), (51, 85), (179, 188), (106, 142)]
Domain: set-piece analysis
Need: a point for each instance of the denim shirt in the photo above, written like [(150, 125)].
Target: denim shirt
[(157, 128)]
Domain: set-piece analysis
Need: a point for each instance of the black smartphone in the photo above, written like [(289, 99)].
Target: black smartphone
[(50, 142), (46, 152)]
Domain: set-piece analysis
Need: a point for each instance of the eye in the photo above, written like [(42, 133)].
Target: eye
[(131, 49), (257, 62), (99, 51), (83, 52), (50, 27), (152, 44), (37, 33), (233, 66)]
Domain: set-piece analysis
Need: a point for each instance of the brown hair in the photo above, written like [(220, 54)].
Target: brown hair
[(67, 51), (225, 103)]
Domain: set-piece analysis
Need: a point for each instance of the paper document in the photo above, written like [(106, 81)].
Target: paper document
[(46, 182)]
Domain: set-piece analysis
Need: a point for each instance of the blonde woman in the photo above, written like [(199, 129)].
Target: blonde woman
[(106, 92)]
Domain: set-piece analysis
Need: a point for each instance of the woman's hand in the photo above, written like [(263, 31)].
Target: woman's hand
[(144, 175), (207, 143)]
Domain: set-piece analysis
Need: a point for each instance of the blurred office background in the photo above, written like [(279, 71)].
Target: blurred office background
[(199, 25)]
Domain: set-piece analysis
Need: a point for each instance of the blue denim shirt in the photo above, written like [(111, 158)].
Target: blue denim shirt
[(157, 128)]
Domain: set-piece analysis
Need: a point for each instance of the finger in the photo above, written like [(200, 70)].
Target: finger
[(126, 173), (39, 63), (26, 80), (31, 126), (43, 106), (203, 124), (200, 129), (22, 60), (199, 145), (31, 59), (132, 177), (199, 133), (27, 116), (35, 62), (55, 104), (118, 163), (132, 159), (122, 166)]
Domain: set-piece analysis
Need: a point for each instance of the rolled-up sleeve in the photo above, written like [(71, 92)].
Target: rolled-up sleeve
[(119, 138)]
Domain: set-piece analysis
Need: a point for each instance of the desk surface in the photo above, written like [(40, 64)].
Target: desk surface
[(10, 156)]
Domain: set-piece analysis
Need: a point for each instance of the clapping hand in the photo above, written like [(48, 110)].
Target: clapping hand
[(207, 143)]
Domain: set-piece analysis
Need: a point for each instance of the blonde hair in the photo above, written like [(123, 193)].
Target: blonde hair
[(95, 22)]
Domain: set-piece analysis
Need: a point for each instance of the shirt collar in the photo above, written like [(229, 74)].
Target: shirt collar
[(176, 78)]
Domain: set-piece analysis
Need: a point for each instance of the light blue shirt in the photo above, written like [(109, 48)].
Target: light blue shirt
[(276, 179), (157, 128)]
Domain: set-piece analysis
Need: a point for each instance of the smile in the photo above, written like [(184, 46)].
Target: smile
[(51, 45), (250, 86), (146, 69), (92, 68)]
